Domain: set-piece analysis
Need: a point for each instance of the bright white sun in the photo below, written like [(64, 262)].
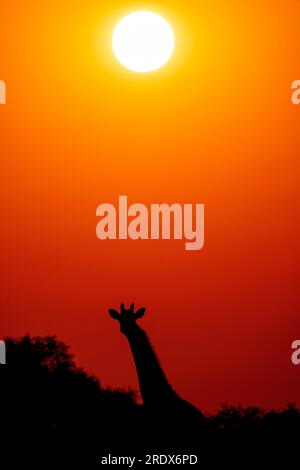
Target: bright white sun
[(143, 41)]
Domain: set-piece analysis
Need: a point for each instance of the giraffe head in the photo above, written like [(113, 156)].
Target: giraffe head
[(127, 317)]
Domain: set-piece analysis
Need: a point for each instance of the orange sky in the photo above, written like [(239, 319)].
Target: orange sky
[(215, 126)]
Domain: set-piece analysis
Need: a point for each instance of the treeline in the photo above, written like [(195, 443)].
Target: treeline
[(53, 411)]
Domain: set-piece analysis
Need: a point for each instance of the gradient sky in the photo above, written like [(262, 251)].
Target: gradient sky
[(215, 126)]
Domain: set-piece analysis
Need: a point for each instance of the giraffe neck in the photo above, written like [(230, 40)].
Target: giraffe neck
[(154, 385)]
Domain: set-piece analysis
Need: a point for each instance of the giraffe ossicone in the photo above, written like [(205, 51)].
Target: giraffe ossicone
[(127, 317)]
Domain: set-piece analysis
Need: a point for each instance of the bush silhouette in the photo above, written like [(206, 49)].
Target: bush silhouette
[(53, 411), (50, 405)]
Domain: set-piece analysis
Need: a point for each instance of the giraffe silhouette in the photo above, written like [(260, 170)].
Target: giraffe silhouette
[(160, 400)]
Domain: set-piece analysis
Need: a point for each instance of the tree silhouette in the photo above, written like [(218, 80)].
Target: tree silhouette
[(53, 412), (51, 407)]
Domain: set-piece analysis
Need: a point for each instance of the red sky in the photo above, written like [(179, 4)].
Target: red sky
[(215, 126)]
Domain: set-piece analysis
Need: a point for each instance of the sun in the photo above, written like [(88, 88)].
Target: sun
[(143, 41)]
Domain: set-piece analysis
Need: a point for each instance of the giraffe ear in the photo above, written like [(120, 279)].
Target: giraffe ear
[(139, 313), (114, 314)]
